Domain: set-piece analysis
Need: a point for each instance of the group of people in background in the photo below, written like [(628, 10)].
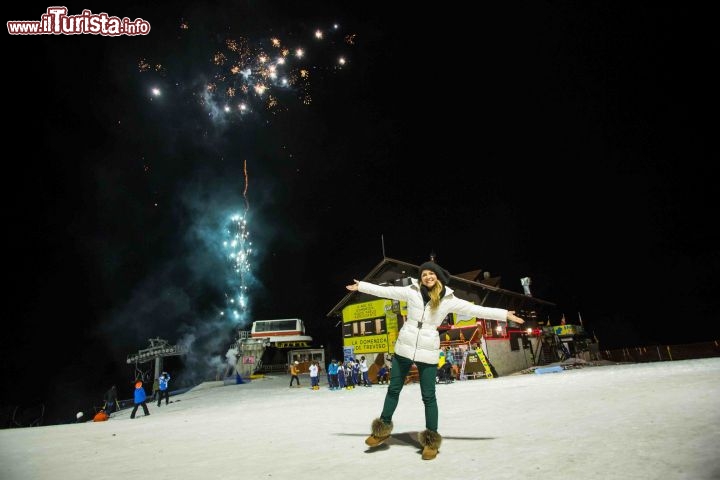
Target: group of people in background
[(447, 366), (348, 375), (341, 374), (140, 398)]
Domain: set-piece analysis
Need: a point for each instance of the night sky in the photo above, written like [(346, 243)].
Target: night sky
[(565, 142)]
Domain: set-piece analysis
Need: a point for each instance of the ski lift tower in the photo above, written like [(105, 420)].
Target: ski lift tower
[(159, 349)]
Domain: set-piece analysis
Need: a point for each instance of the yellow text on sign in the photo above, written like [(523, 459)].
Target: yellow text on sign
[(361, 311), (369, 344)]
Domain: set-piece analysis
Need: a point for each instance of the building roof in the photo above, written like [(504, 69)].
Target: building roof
[(481, 277), (391, 271)]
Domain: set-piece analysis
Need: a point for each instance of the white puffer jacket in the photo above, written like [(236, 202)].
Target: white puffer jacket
[(418, 339)]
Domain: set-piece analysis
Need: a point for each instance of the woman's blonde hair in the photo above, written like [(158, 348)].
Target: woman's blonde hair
[(434, 293)]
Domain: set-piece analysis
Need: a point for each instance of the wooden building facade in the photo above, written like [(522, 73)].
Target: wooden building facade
[(371, 324)]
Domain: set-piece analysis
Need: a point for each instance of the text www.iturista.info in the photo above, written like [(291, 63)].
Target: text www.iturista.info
[(56, 21)]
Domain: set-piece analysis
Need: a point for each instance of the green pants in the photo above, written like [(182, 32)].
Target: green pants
[(428, 372)]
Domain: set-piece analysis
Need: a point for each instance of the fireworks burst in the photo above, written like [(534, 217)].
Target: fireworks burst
[(232, 81), (245, 76), (238, 249)]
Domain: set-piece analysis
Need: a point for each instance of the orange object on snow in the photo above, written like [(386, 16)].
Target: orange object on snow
[(101, 416)]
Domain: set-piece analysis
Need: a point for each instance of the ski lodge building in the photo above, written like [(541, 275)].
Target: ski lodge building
[(481, 348)]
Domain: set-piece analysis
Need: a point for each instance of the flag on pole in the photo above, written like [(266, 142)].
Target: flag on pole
[(562, 320), (580, 318)]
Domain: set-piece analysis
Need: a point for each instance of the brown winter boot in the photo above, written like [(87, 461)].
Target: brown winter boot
[(380, 432), (431, 444)]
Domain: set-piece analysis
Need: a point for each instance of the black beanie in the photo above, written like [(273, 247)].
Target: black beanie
[(442, 274)]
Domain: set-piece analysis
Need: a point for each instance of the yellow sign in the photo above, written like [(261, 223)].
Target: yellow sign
[(368, 344), (484, 361), (391, 322), (361, 311), (561, 330), (392, 338), (463, 320)]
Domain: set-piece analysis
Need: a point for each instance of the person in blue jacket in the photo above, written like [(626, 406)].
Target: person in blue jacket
[(429, 301), (332, 372), (139, 399), (164, 379)]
